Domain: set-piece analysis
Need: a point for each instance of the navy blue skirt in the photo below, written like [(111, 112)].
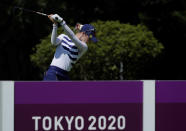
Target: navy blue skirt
[(55, 74)]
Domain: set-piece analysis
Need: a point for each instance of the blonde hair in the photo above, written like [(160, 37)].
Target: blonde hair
[(78, 27)]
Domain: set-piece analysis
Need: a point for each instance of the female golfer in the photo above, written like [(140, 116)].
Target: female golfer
[(70, 47)]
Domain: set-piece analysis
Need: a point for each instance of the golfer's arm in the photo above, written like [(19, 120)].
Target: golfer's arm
[(54, 40), (81, 45)]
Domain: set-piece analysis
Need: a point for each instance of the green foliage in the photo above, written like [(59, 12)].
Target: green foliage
[(118, 44), (43, 54)]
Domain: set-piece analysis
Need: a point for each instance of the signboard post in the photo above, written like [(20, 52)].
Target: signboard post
[(6, 106)]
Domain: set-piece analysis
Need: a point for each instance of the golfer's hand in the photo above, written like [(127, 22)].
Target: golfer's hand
[(55, 18), (50, 17)]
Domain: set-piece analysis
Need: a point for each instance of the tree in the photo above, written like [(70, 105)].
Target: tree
[(121, 52)]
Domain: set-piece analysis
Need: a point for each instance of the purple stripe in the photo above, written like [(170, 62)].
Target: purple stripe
[(71, 52), (73, 59), (74, 47), (67, 39), (78, 92), (171, 91)]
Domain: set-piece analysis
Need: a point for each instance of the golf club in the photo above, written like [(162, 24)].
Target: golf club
[(31, 11)]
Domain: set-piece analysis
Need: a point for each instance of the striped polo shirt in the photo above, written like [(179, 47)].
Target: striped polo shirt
[(66, 54)]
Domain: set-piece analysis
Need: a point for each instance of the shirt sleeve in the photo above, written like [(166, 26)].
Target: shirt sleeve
[(54, 39), (82, 46)]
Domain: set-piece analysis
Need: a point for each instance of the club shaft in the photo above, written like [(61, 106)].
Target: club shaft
[(28, 10), (39, 13)]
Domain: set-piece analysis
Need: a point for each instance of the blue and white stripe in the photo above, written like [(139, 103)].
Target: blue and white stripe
[(70, 47)]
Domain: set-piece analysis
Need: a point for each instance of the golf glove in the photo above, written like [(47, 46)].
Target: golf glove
[(57, 18)]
